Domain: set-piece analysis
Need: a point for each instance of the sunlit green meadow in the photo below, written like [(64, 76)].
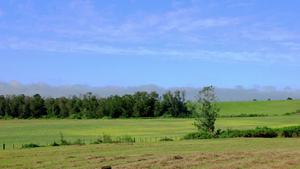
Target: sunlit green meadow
[(44, 132), (270, 108)]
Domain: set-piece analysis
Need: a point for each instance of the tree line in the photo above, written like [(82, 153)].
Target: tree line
[(140, 104)]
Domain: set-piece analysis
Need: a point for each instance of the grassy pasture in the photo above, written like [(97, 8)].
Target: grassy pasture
[(216, 153), (271, 108), (20, 132)]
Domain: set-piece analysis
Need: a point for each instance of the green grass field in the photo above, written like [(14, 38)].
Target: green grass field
[(44, 132), (271, 108), (215, 153)]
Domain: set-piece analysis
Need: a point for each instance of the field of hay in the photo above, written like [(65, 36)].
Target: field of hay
[(216, 153)]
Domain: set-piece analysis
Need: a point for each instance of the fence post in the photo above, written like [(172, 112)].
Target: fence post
[(13, 146), (134, 140), (3, 146)]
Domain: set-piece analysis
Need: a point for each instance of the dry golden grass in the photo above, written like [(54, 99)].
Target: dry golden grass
[(221, 160)]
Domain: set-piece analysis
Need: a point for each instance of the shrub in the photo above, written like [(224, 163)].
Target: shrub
[(54, 144), (289, 131), (79, 142), (8, 118), (31, 145), (63, 141), (74, 116), (289, 113), (166, 139), (128, 139), (198, 135), (264, 132), (106, 117), (166, 116), (257, 132), (105, 138)]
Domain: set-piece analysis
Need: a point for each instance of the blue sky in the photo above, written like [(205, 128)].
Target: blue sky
[(169, 43)]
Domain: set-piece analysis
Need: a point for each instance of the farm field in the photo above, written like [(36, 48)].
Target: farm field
[(18, 132), (271, 108), (215, 153), (148, 152)]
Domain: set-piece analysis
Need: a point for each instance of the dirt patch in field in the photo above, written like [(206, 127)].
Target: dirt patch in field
[(95, 157), (145, 155), (220, 160)]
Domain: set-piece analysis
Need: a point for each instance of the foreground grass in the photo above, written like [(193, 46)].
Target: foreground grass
[(216, 153), (18, 132)]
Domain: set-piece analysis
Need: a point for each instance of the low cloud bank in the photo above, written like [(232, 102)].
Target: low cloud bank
[(238, 93)]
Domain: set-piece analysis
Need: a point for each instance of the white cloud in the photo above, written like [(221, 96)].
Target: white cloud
[(273, 34), (184, 33), (171, 53), (187, 25), (291, 45)]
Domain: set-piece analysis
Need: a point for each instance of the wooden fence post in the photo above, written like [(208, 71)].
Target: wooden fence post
[(3, 146)]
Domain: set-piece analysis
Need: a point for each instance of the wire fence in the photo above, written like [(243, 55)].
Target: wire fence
[(87, 142)]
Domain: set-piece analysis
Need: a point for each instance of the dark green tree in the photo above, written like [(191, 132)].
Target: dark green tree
[(37, 107), (2, 106)]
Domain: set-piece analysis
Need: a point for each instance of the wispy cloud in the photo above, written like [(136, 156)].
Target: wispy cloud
[(210, 55), (181, 32), (240, 4), (273, 34), (292, 45)]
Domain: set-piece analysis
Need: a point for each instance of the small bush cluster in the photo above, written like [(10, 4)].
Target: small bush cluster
[(246, 115), (31, 145), (166, 139), (264, 132), (105, 138), (289, 113), (293, 131), (198, 135)]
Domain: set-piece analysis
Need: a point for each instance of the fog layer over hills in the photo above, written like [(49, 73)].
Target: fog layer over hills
[(239, 93)]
